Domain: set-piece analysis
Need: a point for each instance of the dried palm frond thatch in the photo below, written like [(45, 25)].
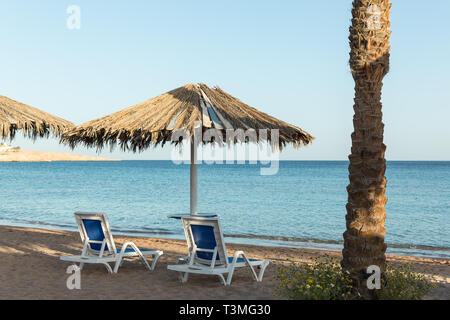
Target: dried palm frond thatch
[(154, 121), (33, 122)]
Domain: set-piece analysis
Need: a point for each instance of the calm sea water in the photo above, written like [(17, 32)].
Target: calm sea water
[(303, 205)]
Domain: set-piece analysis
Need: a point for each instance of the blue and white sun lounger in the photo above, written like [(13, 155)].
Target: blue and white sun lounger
[(208, 254), (99, 246)]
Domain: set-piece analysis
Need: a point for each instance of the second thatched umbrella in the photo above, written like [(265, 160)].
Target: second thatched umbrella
[(16, 116), (188, 108)]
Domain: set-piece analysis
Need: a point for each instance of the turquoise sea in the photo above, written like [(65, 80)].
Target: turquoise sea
[(303, 205)]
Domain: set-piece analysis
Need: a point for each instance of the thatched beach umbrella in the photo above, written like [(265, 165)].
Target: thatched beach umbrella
[(189, 108), (15, 116)]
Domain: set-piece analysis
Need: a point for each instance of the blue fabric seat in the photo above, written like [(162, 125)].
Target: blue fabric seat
[(205, 238), (94, 231), (129, 250), (239, 260)]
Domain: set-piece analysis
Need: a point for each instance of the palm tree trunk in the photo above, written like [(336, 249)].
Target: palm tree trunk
[(369, 61)]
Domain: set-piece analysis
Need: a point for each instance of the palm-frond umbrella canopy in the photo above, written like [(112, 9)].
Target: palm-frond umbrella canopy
[(187, 108), (15, 116)]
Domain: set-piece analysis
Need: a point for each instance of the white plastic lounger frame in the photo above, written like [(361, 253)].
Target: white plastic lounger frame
[(99, 246), (208, 254)]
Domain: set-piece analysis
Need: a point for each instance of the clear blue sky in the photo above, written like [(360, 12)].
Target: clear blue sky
[(286, 58)]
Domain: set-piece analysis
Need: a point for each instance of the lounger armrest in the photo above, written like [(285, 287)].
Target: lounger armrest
[(247, 261), (130, 244), (122, 253), (136, 249), (240, 253)]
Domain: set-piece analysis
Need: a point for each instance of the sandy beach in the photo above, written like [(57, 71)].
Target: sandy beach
[(41, 156), (30, 269)]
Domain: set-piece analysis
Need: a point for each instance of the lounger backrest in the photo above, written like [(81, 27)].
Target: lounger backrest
[(94, 228), (205, 234)]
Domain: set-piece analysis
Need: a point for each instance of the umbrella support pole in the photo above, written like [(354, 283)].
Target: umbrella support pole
[(193, 168)]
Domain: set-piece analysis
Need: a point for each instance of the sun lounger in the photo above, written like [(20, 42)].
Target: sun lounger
[(99, 246), (208, 254)]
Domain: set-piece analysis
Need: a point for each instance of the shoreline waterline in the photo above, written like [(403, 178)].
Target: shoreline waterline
[(258, 240), (301, 206)]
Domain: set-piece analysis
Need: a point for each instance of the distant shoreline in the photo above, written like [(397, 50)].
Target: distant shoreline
[(42, 156)]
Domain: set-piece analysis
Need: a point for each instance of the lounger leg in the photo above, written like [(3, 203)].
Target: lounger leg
[(184, 277), (155, 260), (230, 275), (136, 249), (108, 267), (247, 262), (222, 279), (119, 262), (146, 263), (261, 272), (81, 265)]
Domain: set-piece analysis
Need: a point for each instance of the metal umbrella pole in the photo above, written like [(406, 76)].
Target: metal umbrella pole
[(194, 211)]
